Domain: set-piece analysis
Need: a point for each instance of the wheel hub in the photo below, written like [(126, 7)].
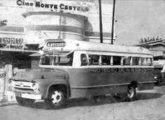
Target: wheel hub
[(56, 97), (130, 92)]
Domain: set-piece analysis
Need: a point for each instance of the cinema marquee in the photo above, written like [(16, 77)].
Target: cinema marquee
[(54, 7)]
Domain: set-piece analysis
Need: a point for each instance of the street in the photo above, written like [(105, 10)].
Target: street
[(149, 105)]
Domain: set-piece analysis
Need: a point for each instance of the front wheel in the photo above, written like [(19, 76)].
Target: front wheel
[(131, 93), (56, 98)]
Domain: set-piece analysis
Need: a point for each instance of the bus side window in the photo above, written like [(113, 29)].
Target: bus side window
[(149, 61), (106, 60), (93, 59), (117, 60), (84, 60), (143, 61), (126, 60), (135, 61), (70, 59)]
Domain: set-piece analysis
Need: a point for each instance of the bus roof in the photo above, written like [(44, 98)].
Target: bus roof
[(73, 45)]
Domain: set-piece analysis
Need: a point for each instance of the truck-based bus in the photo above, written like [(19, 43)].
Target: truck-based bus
[(75, 69)]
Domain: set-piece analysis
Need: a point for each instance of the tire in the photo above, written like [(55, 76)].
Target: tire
[(56, 98), (131, 93), (24, 101)]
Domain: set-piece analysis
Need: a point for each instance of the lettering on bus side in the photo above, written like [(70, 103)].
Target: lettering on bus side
[(119, 70)]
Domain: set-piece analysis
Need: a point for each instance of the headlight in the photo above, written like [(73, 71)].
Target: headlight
[(35, 87)]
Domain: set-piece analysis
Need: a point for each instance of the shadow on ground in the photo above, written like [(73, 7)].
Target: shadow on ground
[(145, 96), (99, 101)]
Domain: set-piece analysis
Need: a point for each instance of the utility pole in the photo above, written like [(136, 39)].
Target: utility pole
[(113, 21), (60, 28), (100, 22)]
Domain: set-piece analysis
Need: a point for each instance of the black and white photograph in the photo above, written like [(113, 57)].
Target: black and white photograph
[(82, 59)]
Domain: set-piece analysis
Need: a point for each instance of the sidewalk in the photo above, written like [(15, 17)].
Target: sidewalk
[(8, 99), (6, 103)]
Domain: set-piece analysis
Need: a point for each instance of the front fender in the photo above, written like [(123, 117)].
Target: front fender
[(45, 87)]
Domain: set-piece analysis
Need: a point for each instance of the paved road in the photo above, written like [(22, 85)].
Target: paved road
[(150, 105)]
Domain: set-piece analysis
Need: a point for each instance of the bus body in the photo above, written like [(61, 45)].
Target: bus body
[(74, 69)]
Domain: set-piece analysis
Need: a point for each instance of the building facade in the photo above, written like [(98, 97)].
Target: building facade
[(157, 47), (30, 22)]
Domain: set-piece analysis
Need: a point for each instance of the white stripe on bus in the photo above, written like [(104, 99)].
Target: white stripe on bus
[(109, 85)]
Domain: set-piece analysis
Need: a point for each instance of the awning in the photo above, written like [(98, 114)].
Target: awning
[(19, 50)]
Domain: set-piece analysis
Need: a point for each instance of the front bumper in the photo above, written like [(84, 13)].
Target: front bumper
[(29, 95)]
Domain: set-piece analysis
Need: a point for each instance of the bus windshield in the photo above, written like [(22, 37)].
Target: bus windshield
[(57, 60)]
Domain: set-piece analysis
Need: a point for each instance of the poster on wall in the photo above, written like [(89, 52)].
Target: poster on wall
[(11, 42)]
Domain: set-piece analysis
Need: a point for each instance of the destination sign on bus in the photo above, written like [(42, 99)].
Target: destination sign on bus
[(56, 44)]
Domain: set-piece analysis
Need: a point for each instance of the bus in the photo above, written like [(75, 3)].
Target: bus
[(77, 69)]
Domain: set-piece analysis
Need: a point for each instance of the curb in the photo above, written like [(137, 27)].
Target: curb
[(6, 103)]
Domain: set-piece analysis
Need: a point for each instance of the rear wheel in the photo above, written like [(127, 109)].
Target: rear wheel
[(56, 98), (24, 101)]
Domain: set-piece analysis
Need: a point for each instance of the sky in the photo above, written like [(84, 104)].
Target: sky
[(136, 19)]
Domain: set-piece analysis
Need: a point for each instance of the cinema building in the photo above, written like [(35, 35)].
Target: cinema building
[(47, 19)]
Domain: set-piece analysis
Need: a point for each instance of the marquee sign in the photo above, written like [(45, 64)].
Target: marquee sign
[(56, 6)]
